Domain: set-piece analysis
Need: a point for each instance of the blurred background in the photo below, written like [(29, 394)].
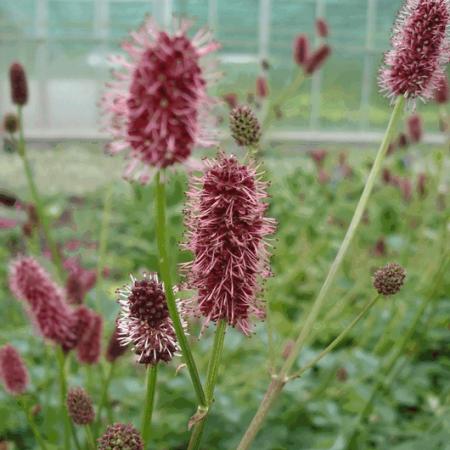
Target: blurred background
[(317, 157), (64, 45)]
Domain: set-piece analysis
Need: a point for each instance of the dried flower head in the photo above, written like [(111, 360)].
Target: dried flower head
[(226, 233), (48, 310), (402, 141), (301, 49), (11, 123), (144, 321), (317, 59), (158, 106), (415, 129), (389, 279), (121, 437), (420, 49), (441, 94), (244, 126), (115, 348), (89, 346), (262, 87), (18, 83), (322, 27), (79, 406), (13, 371)]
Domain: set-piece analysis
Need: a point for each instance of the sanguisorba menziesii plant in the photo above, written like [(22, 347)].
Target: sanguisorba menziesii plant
[(412, 69), (157, 110)]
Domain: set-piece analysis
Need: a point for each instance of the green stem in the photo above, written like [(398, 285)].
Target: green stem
[(90, 437), (284, 95), (164, 266), (43, 219), (63, 394), (152, 371), (33, 426), (104, 229), (395, 355), (213, 370), (104, 396), (337, 340), (278, 382)]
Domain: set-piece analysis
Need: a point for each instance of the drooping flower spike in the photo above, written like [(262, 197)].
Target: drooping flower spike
[(51, 314), (144, 320), (158, 108), (420, 50), (226, 233)]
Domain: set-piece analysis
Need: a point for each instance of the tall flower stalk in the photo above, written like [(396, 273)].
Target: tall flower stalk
[(165, 271), (279, 380), (19, 95)]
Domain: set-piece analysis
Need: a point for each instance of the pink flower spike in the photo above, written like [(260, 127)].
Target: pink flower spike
[(317, 59), (144, 321), (89, 345), (13, 371), (420, 50), (441, 94), (415, 129), (301, 49), (322, 28), (158, 108), (226, 233), (262, 88), (50, 313)]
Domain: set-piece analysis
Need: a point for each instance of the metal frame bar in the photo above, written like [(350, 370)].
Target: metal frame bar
[(316, 83), (264, 28), (366, 85)]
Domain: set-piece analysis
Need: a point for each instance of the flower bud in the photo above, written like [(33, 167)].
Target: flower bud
[(389, 279), (317, 59), (13, 371), (18, 82), (79, 406), (11, 123), (301, 49), (244, 126), (262, 88), (120, 436), (415, 130), (321, 28), (441, 94)]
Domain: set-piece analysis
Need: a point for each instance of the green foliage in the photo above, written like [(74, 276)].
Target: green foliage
[(316, 412)]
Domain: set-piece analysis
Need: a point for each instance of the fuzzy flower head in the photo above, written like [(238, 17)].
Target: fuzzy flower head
[(13, 371), (121, 437), (157, 106), (79, 406), (19, 84), (420, 50), (388, 280), (226, 233), (89, 346), (244, 126), (46, 305), (144, 321)]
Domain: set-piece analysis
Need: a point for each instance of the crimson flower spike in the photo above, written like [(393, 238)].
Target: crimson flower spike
[(420, 50), (144, 321), (50, 313), (13, 371), (301, 49), (158, 108), (227, 233)]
